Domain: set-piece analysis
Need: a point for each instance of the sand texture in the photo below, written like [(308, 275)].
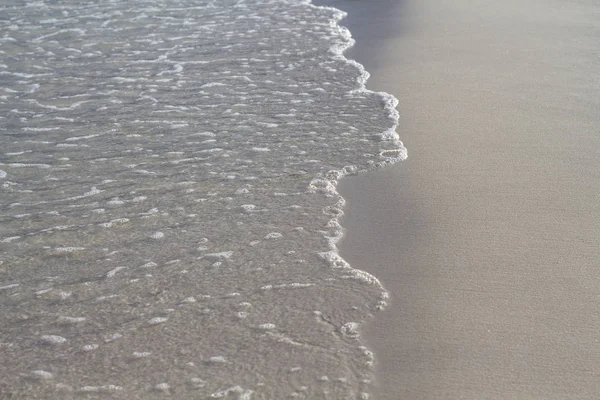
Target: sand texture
[(487, 236)]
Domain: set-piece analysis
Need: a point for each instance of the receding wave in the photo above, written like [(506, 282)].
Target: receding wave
[(168, 210)]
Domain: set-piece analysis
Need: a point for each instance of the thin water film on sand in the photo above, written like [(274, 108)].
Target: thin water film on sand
[(168, 207)]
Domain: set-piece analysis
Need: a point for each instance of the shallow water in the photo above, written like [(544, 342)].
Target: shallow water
[(168, 206)]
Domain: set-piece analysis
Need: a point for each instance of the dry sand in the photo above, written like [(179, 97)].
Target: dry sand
[(487, 237)]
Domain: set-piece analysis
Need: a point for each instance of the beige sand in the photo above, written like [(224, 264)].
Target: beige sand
[(488, 235)]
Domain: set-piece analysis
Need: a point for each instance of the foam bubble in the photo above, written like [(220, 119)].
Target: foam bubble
[(157, 235), (64, 295), (248, 207), (149, 264), (350, 329), (90, 347)]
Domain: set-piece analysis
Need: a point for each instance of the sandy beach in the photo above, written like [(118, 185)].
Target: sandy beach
[(487, 235), (170, 226)]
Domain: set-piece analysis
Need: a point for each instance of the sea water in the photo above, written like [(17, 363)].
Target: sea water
[(168, 204)]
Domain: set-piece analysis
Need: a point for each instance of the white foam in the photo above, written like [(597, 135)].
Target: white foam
[(206, 133), (41, 374), (53, 339), (117, 221), (197, 382), (242, 394), (64, 295), (294, 285), (248, 207), (224, 255), (11, 286), (157, 320), (113, 272), (26, 165), (116, 202), (64, 145), (212, 84), (76, 138), (71, 320), (150, 264), (163, 387), (113, 337), (101, 389), (190, 299), (362, 276), (350, 329), (68, 249), (90, 347), (157, 235)]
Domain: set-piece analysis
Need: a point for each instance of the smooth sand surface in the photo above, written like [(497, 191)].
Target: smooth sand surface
[(488, 236)]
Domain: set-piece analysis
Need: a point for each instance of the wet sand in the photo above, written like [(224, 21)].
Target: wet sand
[(487, 236)]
